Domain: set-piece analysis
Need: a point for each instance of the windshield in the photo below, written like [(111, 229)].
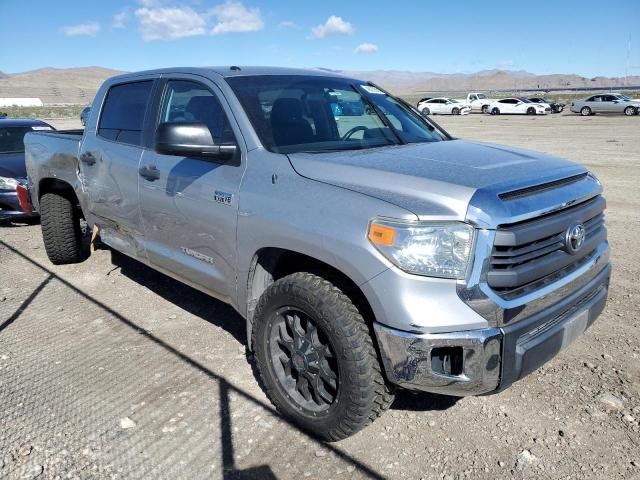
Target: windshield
[(11, 139), (295, 113), (453, 100)]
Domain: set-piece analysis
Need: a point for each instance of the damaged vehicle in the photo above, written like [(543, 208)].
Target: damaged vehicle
[(365, 255)]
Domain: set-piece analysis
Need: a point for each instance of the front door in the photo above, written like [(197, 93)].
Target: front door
[(189, 205)]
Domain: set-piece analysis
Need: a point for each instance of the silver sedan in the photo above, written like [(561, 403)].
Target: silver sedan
[(606, 103)]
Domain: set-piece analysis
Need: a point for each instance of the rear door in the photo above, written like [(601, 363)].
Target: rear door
[(189, 205), (109, 157)]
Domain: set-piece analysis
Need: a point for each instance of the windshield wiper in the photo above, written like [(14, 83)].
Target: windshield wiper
[(380, 113)]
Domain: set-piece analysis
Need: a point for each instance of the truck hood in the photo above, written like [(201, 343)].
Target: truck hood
[(434, 180), (12, 165)]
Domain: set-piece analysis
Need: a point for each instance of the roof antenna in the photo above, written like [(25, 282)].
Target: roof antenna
[(235, 68)]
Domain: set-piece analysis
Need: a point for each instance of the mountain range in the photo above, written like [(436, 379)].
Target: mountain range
[(79, 85)]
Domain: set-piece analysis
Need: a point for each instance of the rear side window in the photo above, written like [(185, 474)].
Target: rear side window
[(122, 118)]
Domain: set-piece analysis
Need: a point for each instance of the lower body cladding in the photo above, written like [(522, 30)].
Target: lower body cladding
[(476, 362)]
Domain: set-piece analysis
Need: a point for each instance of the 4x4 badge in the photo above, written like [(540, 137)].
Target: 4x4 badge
[(223, 197)]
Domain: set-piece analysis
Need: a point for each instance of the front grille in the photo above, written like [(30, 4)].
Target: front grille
[(530, 252)]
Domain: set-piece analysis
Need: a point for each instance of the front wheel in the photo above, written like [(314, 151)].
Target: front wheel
[(315, 357), (455, 111), (629, 111), (585, 111), (425, 111), (531, 111)]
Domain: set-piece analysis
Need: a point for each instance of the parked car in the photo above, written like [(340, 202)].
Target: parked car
[(478, 102), (13, 171), (84, 114), (556, 106), (443, 106), (606, 103), (365, 256), (3, 115), (518, 106)]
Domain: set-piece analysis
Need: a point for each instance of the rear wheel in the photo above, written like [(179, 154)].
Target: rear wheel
[(585, 111), (629, 111), (61, 229), (455, 111), (315, 357), (495, 111), (485, 109)]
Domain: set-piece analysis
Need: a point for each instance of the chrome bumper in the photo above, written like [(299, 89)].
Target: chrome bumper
[(491, 359)]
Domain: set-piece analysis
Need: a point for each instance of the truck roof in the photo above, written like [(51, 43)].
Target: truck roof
[(237, 71)]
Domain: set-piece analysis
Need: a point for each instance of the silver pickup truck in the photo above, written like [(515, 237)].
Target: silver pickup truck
[(365, 247)]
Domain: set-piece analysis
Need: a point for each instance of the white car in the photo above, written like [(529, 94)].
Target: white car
[(518, 106), (443, 106)]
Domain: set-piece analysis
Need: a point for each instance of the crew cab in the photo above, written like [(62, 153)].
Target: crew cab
[(364, 255)]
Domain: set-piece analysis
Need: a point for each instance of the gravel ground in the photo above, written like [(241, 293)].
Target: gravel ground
[(111, 370)]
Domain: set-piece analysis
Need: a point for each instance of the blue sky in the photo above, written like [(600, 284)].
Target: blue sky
[(584, 37)]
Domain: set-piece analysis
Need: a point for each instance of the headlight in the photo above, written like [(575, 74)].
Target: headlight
[(434, 249), (7, 183)]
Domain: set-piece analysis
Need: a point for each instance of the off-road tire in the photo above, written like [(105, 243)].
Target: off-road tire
[(61, 230), (363, 393), (585, 111)]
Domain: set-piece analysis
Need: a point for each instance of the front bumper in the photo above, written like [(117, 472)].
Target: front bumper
[(10, 208), (491, 359)]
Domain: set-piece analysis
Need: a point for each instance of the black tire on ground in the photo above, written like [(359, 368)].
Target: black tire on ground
[(585, 111), (309, 338), (495, 111), (629, 111), (61, 230), (531, 111), (425, 111), (484, 109), (559, 109), (455, 111)]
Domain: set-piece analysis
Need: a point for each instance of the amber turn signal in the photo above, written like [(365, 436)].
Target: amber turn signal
[(382, 235)]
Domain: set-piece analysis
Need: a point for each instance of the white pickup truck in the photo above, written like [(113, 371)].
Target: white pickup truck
[(477, 101)]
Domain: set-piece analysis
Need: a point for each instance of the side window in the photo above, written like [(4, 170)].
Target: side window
[(186, 101), (122, 118)]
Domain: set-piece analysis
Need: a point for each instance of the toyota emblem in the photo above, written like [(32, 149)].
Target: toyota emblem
[(574, 238)]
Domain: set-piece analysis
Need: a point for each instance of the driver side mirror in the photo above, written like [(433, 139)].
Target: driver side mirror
[(188, 139)]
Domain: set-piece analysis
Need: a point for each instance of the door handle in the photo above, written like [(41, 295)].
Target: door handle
[(88, 158), (150, 173)]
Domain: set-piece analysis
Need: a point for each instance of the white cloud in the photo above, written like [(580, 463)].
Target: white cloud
[(233, 16), (169, 23), (365, 48), (121, 18), (506, 63), (333, 26), (89, 29)]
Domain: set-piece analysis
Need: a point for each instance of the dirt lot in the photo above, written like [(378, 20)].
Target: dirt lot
[(110, 370)]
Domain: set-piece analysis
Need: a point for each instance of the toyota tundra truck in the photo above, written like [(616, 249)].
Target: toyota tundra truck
[(365, 255)]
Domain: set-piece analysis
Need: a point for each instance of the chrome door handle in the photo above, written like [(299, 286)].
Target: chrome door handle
[(150, 173)]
